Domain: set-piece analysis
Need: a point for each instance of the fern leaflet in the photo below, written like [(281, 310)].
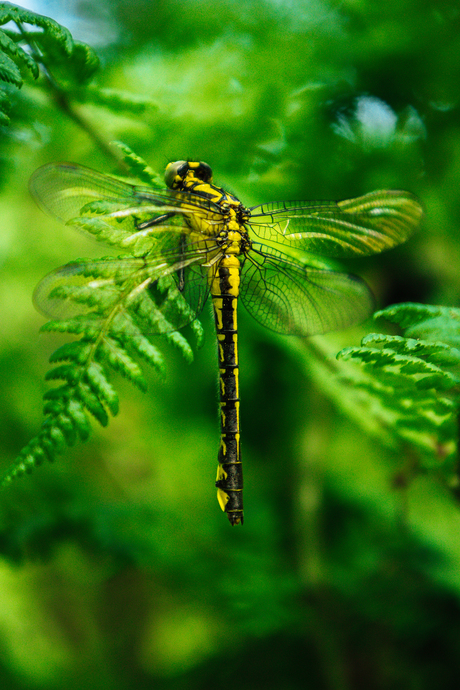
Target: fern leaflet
[(410, 384)]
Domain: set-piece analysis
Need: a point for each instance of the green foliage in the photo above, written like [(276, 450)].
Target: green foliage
[(69, 66), (410, 383), (139, 167), (53, 43)]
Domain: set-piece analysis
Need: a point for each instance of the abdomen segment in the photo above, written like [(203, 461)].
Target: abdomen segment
[(224, 291)]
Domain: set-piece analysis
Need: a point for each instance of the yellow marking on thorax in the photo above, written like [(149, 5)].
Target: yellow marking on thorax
[(211, 223), (212, 192)]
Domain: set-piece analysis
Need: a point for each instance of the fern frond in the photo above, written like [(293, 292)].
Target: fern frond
[(20, 16), (411, 383), (431, 351), (69, 67), (139, 167), (120, 101), (78, 71), (426, 321), (16, 60), (9, 72), (113, 325)]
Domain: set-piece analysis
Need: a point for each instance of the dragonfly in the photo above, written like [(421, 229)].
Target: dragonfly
[(208, 242)]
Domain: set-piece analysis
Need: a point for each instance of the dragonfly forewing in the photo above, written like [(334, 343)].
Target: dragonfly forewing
[(367, 225), (112, 210)]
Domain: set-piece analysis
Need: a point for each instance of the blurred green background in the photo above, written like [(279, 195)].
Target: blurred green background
[(118, 568)]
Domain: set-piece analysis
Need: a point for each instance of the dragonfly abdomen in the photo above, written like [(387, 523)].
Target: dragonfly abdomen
[(224, 292)]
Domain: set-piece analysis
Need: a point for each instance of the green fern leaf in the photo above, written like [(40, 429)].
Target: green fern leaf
[(111, 233), (423, 373), (121, 362), (111, 334), (9, 72), (72, 64), (13, 58), (138, 166), (89, 325), (83, 66), (411, 381), (77, 415), (119, 101), (198, 331), (425, 321), (431, 351), (66, 372), (57, 395), (77, 351), (9, 48), (95, 376), (57, 439), (20, 16), (110, 305), (144, 348), (92, 403), (68, 428), (181, 343)]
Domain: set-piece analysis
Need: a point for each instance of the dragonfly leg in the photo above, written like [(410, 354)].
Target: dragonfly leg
[(155, 221)]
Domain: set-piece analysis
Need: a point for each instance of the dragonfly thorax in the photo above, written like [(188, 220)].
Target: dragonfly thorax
[(196, 177), (235, 242)]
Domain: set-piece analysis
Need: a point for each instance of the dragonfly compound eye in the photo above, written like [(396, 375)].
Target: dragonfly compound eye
[(175, 173), (202, 171)]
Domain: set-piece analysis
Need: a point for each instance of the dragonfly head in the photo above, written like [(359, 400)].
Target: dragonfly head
[(180, 173)]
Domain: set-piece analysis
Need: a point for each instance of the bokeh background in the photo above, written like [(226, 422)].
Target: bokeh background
[(118, 569)]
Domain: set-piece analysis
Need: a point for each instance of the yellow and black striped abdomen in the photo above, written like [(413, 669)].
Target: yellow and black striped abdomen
[(224, 292)]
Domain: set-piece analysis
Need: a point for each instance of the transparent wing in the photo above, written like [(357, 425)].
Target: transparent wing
[(110, 209), (355, 227), (166, 291), (295, 299)]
